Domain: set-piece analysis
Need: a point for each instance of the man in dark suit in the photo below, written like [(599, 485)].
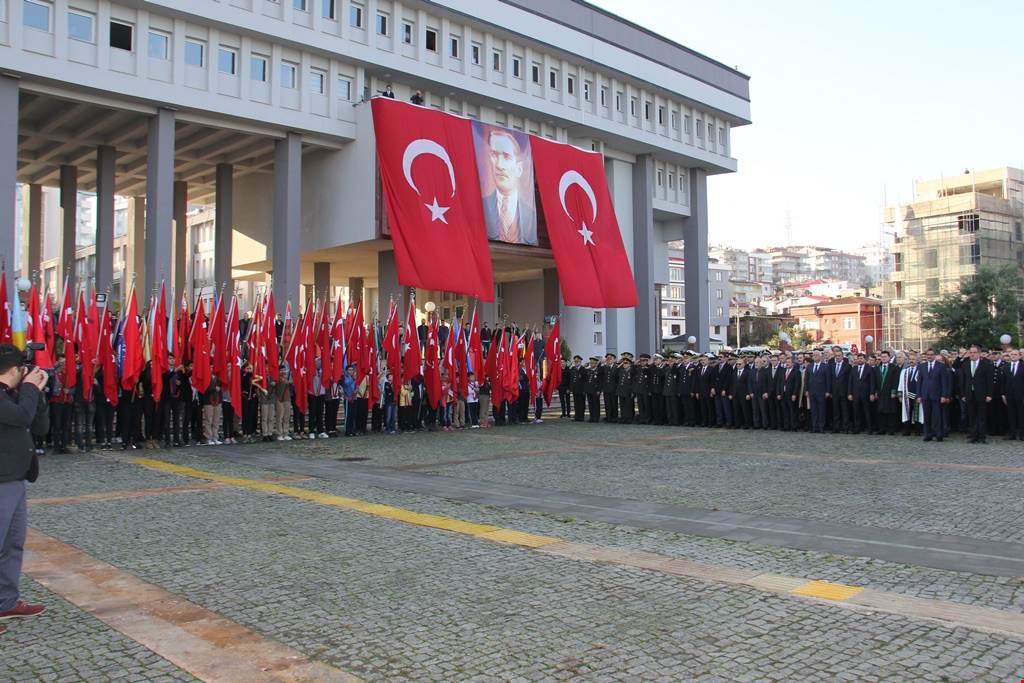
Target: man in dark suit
[(888, 388), (759, 389), (818, 384), (787, 391), (839, 369), (723, 388), (1012, 392), (935, 387), (509, 211), (704, 390), (740, 396), (976, 391), (863, 392)]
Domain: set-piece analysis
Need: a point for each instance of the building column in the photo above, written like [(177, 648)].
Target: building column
[(9, 169), (552, 300), (69, 225), (388, 287), (643, 254), (620, 323), (136, 261), (34, 241), (105, 159), (286, 240), (322, 279), (355, 292), (179, 210), (695, 253), (159, 202), (223, 225)]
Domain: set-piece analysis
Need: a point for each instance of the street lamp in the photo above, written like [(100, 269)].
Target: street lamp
[(1006, 340), (868, 340), (690, 341)]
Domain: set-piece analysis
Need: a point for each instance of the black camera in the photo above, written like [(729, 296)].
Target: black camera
[(30, 352)]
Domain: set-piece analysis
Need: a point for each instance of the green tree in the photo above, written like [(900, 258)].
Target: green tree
[(985, 308), (799, 337)]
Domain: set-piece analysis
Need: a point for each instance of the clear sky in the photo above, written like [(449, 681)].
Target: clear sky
[(851, 101)]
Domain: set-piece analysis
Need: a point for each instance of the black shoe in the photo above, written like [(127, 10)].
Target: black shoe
[(939, 439), (928, 438)]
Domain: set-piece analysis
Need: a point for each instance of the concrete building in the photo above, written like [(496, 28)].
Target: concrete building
[(846, 322), (953, 227), (741, 264), (673, 300), (256, 109)]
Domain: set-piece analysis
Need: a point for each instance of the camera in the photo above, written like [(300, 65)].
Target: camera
[(30, 352)]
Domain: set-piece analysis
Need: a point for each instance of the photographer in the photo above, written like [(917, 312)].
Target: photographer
[(23, 411)]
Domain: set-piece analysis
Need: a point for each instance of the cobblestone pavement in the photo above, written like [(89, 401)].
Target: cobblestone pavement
[(392, 602)]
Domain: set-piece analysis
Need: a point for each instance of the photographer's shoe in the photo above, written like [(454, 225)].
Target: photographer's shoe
[(22, 609)]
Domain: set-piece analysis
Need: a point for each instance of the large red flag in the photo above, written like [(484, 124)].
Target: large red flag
[(35, 331), (180, 347), (531, 367), (510, 373), (435, 214), (553, 355), (593, 268), (84, 339), (158, 344), (431, 369), (131, 336), (357, 349), (373, 393), (411, 354), (296, 358), (233, 357), (70, 378), (338, 341), (328, 373), (393, 347), (270, 338), (218, 345), (66, 315), (105, 357), (476, 349), (5, 310), (199, 343)]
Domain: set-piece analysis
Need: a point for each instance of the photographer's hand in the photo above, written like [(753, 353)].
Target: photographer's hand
[(36, 377)]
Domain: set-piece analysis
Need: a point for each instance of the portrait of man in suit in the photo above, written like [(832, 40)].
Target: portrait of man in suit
[(506, 181)]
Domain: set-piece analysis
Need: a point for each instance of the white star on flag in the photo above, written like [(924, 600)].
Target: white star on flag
[(437, 212), (588, 236)]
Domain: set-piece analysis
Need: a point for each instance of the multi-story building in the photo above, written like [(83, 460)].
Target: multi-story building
[(848, 321), (953, 227), (741, 263), (673, 300), (256, 108)]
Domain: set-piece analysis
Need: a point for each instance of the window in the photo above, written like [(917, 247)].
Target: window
[(719, 312), (383, 26), (671, 181), (121, 35), (517, 67), (968, 222), (719, 294), (288, 75), (355, 15), (897, 261), (1018, 231), (675, 274), (36, 14), (647, 111), (847, 323), (80, 26), (898, 290), (632, 106), (931, 258), (227, 60), (661, 116), (570, 85), (553, 79), (345, 89), (598, 318), (604, 96), (700, 129), (661, 177), (675, 292), (475, 53), (327, 9), (674, 118), (675, 330), (317, 81), (598, 338), (258, 68), (970, 254), (159, 45), (430, 40), (687, 124), (454, 49), (711, 132), (618, 101), (299, 5), (718, 276), (718, 329), (496, 60), (931, 286), (586, 90), (194, 52), (721, 135), (675, 311), (535, 72)]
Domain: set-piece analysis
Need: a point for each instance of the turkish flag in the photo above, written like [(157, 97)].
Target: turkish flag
[(199, 343), (233, 357), (411, 356), (435, 214), (105, 357), (592, 264), (431, 369), (158, 344), (553, 355), (393, 346), (131, 340), (218, 342), (269, 335)]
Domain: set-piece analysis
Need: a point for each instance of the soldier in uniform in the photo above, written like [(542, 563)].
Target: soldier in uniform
[(592, 388), (687, 375), (624, 389), (656, 382), (609, 384), (577, 385), (642, 389), (670, 390)]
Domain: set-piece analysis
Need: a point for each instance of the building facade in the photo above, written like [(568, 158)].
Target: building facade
[(953, 227), (256, 109), (847, 322), (673, 300)]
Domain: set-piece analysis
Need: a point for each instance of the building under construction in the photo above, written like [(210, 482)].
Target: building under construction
[(954, 227)]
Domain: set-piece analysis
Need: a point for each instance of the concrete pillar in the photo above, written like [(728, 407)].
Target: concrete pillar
[(69, 225), (105, 159), (388, 287), (34, 243), (223, 225), (285, 242), (620, 325), (159, 203), (322, 279), (8, 169), (643, 254), (355, 291), (552, 300), (487, 311), (136, 261), (695, 252), (179, 282)]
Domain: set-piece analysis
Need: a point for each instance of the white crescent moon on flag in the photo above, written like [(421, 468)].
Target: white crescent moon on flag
[(424, 146), (570, 178)]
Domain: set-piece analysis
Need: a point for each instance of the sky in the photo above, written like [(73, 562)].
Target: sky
[(850, 102)]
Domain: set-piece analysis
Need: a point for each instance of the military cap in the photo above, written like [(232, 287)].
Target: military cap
[(577, 357), (626, 355), (609, 355), (595, 359), (645, 356), (677, 355), (658, 356)]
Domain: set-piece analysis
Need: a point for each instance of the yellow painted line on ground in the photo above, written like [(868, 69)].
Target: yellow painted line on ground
[(827, 590), (458, 526)]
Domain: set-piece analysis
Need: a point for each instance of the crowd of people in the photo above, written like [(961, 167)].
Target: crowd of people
[(930, 393)]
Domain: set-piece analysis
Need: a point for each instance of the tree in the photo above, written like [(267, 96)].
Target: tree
[(799, 337), (985, 308)]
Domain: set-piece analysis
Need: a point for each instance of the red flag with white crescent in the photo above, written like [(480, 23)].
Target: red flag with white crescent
[(411, 355)]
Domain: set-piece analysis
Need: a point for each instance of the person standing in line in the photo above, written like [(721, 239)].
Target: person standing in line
[(265, 395), (818, 387), (578, 383), (390, 405), (473, 401), (565, 390), (609, 382), (211, 401), (888, 377), (976, 391), (349, 393), (1012, 396), (282, 402), (592, 389), (936, 388)]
